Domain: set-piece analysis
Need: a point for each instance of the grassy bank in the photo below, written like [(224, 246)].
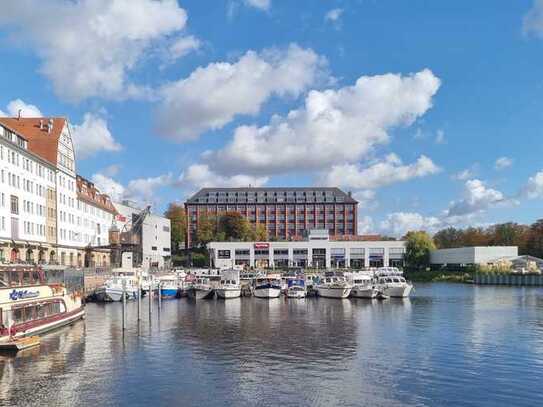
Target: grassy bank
[(439, 276)]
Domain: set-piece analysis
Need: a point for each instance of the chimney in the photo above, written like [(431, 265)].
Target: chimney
[(41, 124), (50, 126), (350, 194), (19, 114)]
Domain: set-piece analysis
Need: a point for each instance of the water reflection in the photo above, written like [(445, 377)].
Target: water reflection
[(447, 345)]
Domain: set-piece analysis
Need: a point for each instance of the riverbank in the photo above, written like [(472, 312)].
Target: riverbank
[(439, 276)]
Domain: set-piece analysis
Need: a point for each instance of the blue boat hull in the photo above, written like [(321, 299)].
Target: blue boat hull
[(169, 293)]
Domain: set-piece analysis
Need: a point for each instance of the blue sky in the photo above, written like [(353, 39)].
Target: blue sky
[(443, 128)]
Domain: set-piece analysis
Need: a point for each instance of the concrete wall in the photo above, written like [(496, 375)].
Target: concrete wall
[(472, 255)]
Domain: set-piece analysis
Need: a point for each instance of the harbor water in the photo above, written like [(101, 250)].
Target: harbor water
[(448, 345)]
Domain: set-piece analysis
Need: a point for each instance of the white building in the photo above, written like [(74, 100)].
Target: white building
[(472, 255), (317, 251), (154, 234), (41, 214)]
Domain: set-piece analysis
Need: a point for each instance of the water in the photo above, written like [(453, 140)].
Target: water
[(449, 345)]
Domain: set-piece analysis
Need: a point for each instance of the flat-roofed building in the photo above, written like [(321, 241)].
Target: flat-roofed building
[(471, 255), (317, 251), (286, 213)]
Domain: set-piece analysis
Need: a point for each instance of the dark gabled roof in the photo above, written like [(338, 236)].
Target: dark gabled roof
[(270, 195)]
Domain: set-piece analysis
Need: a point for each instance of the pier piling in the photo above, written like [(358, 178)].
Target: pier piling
[(124, 305), (139, 299), (159, 297), (150, 301)]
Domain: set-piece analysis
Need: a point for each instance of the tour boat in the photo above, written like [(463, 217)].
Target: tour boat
[(169, 286), (363, 286), (112, 290), (230, 284), (267, 287), (30, 306), (334, 285), (391, 282)]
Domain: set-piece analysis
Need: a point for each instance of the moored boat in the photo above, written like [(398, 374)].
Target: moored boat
[(29, 306), (334, 285), (363, 285), (230, 285), (391, 283), (169, 286), (112, 290), (267, 287), (201, 289)]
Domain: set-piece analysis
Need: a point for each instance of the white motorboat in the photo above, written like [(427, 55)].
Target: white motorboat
[(230, 284), (267, 287), (334, 285), (363, 285), (391, 283), (296, 291), (112, 290)]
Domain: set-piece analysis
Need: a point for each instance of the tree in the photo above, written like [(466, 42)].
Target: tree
[(260, 233), (448, 238), (534, 244), (418, 248), (235, 226), (207, 229), (178, 219)]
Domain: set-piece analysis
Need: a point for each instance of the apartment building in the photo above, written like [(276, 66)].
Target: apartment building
[(286, 213), (42, 208)]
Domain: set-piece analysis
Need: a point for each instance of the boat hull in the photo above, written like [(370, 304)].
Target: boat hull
[(268, 292), (114, 295), (333, 292), (397, 291), (364, 292), (295, 294), (228, 293), (201, 294), (167, 293)]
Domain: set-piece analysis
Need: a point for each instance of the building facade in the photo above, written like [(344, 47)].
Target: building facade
[(471, 255), (317, 251), (286, 213), (42, 208), (154, 235)]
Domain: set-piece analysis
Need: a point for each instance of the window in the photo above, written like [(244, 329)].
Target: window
[(153, 248), (223, 254), (14, 205), (166, 229)]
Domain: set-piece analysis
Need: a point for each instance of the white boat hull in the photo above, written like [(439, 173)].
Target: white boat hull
[(333, 292), (113, 294), (402, 291), (226, 293), (267, 292), (295, 294), (364, 292)]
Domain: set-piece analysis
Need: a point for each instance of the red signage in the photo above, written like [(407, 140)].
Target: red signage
[(262, 245), (120, 218)]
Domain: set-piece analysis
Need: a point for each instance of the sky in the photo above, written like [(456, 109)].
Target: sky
[(429, 112)]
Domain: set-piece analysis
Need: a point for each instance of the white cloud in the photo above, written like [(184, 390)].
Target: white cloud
[(88, 47), (440, 137), (200, 176), (333, 127), (382, 173), (16, 105), (214, 95), (464, 174), (503, 162), (259, 4), (477, 198), (533, 20), (399, 223), (366, 200), (141, 190), (334, 17), (365, 225), (184, 46), (93, 136), (534, 187)]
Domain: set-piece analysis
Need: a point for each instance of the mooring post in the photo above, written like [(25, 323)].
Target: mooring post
[(151, 299), (139, 299), (124, 304), (159, 296)]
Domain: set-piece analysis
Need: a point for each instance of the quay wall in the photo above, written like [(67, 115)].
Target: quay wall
[(508, 279)]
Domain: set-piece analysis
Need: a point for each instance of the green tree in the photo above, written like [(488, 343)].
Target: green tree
[(235, 226), (417, 250), (448, 238), (178, 219), (534, 244), (207, 229), (260, 233)]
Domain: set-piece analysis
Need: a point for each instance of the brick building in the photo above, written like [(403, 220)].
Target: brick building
[(287, 213)]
